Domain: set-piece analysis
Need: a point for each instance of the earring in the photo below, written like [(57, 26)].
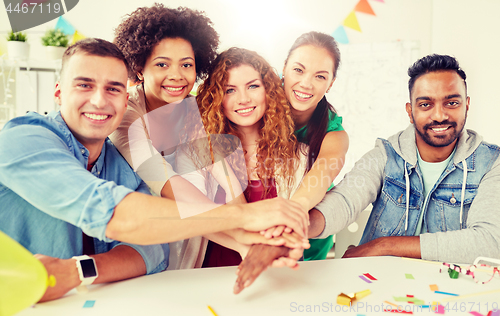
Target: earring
[(139, 75)]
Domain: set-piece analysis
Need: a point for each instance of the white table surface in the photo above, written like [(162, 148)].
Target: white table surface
[(313, 289)]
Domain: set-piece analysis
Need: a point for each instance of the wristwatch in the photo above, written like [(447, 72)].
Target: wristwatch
[(87, 270)]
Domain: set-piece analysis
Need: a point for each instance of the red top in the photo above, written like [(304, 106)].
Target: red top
[(220, 256)]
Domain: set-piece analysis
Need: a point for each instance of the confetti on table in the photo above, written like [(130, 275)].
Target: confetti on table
[(352, 298), (476, 314), (399, 311), (409, 276), (460, 297), (365, 279), (413, 300), (446, 293), (89, 304), (391, 303), (495, 312), (434, 287), (212, 310), (439, 309), (369, 276)]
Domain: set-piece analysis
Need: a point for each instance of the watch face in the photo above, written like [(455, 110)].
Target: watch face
[(88, 268)]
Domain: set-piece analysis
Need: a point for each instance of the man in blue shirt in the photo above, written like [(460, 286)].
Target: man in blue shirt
[(61, 180)]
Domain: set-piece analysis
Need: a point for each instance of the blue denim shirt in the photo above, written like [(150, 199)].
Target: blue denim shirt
[(378, 178), (48, 196)]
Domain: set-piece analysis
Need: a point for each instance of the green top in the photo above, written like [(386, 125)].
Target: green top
[(320, 247)]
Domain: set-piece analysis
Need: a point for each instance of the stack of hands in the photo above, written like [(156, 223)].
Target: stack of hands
[(281, 247)]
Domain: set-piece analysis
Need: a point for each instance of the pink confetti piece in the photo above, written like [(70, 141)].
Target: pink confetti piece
[(369, 276), (365, 279)]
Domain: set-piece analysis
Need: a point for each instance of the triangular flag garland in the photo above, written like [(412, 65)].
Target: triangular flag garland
[(351, 21), (340, 35), (76, 37), (69, 30), (364, 7), (64, 26)]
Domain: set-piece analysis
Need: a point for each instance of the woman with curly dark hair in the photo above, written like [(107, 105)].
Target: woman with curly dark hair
[(242, 96), (167, 50)]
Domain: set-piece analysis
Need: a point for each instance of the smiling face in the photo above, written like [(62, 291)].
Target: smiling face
[(244, 101), (169, 72), (438, 110), (308, 74), (93, 96)]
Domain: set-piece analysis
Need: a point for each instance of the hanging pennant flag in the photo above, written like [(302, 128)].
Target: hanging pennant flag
[(76, 37), (64, 26), (352, 21), (364, 7), (340, 35)]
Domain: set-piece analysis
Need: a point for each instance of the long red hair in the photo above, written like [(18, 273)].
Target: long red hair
[(277, 151)]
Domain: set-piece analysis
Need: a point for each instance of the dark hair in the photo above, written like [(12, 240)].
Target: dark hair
[(96, 47), (431, 63), (317, 125), (141, 30), (320, 40)]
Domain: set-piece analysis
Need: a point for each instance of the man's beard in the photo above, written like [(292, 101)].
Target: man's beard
[(440, 140)]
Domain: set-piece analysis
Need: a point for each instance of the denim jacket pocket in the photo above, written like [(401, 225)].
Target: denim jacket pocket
[(389, 214), (447, 202)]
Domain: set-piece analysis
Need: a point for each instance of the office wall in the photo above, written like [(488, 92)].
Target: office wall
[(470, 30), (466, 29)]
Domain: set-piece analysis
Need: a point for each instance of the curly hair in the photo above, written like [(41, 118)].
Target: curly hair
[(144, 28), (277, 150)]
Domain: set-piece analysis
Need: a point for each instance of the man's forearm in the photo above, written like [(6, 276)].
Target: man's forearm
[(120, 263), (316, 223), (142, 219), (399, 246)]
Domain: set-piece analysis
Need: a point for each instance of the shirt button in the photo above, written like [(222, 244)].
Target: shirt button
[(82, 151), (453, 200)]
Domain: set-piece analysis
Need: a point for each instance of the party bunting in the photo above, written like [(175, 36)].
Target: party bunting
[(364, 7), (340, 35), (64, 26), (352, 22), (76, 37)]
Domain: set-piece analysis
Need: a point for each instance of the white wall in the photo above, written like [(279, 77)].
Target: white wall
[(470, 30), (467, 29)]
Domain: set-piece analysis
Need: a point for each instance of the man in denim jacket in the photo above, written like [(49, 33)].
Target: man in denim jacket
[(433, 186), (62, 180)]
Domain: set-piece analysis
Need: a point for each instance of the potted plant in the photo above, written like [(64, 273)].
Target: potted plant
[(55, 42), (17, 45)]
